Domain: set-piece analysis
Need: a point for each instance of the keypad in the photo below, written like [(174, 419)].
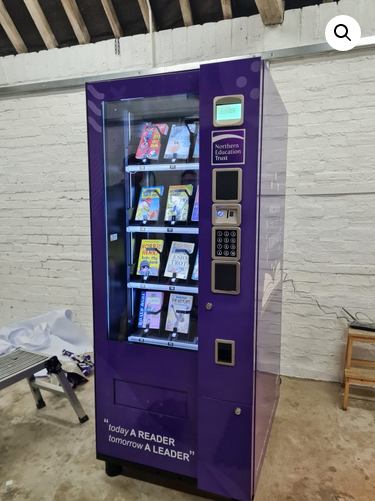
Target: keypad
[(226, 243)]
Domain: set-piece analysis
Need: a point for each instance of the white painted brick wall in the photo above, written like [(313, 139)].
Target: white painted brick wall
[(329, 237)]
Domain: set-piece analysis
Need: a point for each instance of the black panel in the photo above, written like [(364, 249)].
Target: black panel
[(206, 11), (244, 8), (59, 22), (227, 185), (24, 24), (130, 17), (225, 352), (96, 20), (6, 48), (167, 14), (226, 276)]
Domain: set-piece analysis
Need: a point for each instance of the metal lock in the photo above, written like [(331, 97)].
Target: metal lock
[(238, 411), (209, 306)]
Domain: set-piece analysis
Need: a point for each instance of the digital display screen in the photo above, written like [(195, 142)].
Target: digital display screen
[(229, 111)]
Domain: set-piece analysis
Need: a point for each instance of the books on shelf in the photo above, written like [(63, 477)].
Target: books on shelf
[(195, 213), (149, 257), (150, 142), (195, 274), (149, 310), (178, 202), (178, 146), (179, 260), (179, 309), (149, 203), (196, 146)]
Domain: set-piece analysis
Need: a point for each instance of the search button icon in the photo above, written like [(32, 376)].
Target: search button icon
[(345, 35)]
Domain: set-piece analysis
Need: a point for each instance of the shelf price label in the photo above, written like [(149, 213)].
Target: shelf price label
[(169, 230), (171, 288), (172, 167)]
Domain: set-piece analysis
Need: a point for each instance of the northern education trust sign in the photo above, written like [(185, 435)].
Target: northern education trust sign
[(228, 147)]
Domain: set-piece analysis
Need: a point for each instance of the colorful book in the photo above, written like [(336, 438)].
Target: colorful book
[(196, 146), (178, 259), (178, 317), (178, 202), (178, 146), (149, 257), (150, 142), (149, 310), (195, 274), (149, 203), (195, 213)]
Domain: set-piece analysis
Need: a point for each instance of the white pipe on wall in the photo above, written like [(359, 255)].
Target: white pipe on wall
[(151, 33)]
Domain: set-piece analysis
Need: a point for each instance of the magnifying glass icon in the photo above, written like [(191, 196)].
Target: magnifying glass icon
[(346, 32)]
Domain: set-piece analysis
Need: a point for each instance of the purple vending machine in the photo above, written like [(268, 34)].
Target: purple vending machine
[(187, 183)]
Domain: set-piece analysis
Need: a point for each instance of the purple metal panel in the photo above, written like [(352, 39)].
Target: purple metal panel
[(146, 365), (224, 449), (270, 274), (232, 316)]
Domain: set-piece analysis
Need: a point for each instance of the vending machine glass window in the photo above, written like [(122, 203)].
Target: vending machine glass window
[(151, 162)]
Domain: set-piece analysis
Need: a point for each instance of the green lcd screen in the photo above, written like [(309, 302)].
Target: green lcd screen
[(228, 111)]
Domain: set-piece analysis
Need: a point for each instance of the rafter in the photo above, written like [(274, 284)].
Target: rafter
[(187, 15), (41, 23), (11, 30), (76, 21), (226, 5), (145, 14), (112, 18), (271, 11)]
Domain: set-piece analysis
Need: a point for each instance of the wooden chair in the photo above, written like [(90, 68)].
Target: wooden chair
[(354, 371)]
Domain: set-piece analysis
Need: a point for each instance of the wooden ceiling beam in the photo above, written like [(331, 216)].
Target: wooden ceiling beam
[(41, 23), (145, 14), (187, 15), (112, 18), (76, 21), (226, 5), (11, 30), (271, 11)]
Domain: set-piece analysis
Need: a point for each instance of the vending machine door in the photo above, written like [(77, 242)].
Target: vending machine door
[(144, 182)]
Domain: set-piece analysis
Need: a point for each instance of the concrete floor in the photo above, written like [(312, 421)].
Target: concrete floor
[(317, 452)]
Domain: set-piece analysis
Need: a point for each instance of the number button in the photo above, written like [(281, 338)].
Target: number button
[(226, 253), (233, 247), (219, 240), (226, 233), (226, 240), (219, 233), (219, 253), (232, 240), (232, 253), (232, 233), (219, 246)]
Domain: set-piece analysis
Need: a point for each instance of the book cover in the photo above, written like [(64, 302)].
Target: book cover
[(195, 274), (149, 257), (196, 146), (178, 202), (149, 310), (178, 259), (149, 203), (178, 316), (195, 213), (178, 146), (150, 142)]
